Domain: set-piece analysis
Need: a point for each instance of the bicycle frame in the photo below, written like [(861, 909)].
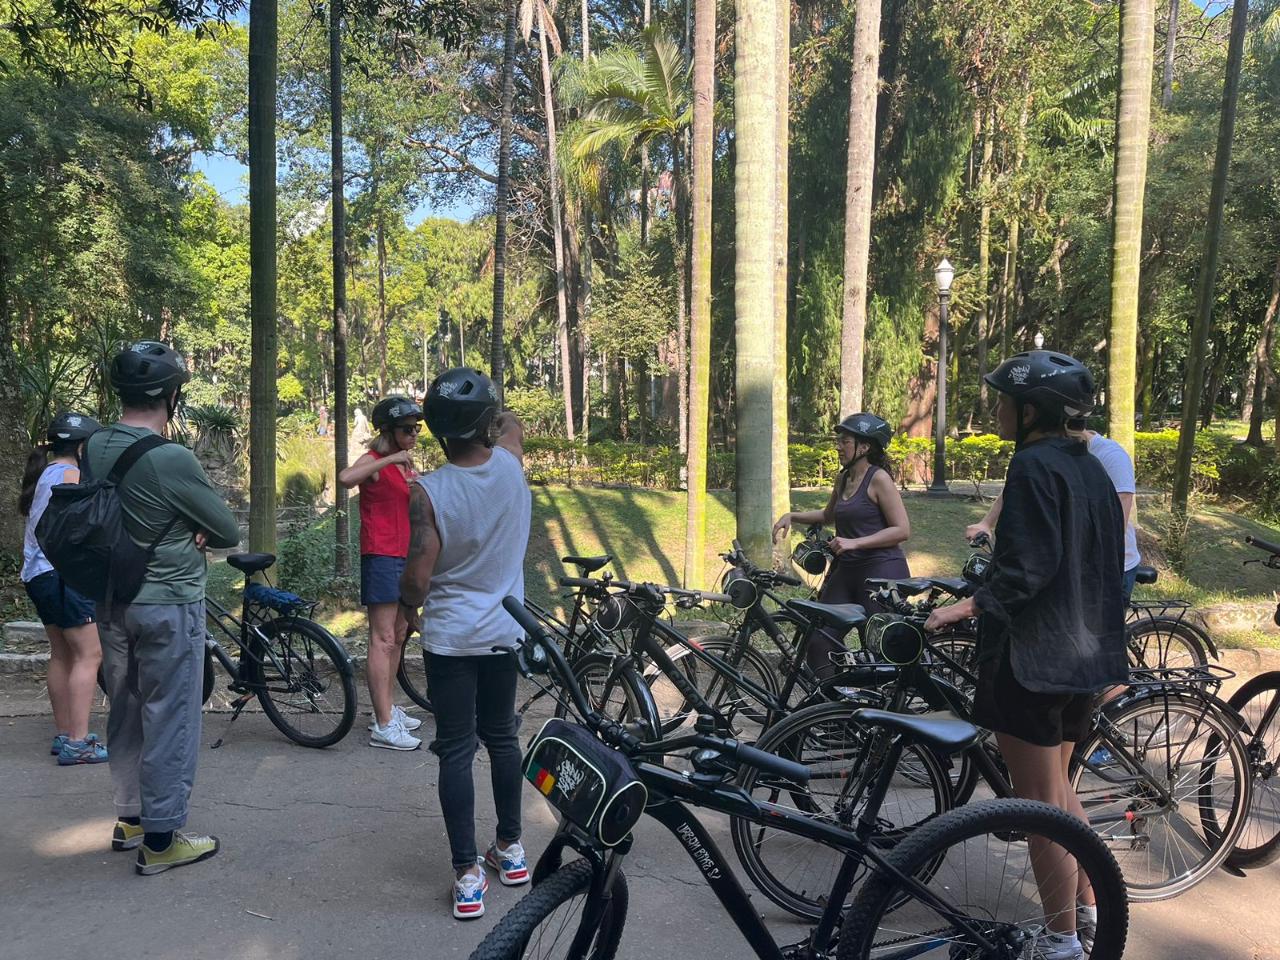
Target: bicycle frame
[(669, 795)]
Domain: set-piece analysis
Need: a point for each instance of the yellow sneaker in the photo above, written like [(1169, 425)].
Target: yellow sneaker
[(184, 849), (126, 836)]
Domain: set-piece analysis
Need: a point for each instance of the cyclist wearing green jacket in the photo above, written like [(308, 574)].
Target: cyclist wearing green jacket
[(153, 647)]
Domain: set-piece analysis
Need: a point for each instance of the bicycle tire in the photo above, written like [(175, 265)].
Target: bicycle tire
[(206, 683), (932, 850), (311, 669), (1178, 643), (721, 692), (1105, 785), (797, 874), (1259, 840), (408, 683), (511, 938), (627, 700)]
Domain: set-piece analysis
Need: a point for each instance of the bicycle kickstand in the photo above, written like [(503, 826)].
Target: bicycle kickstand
[(237, 705)]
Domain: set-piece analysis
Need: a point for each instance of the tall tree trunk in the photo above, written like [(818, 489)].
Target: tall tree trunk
[(342, 535), (586, 32), (1011, 302), (859, 179), (983, 323), (644, 166), (681, 211), (584, 323), (14, 440), (1148, 391), (1170, 46), (701, 160), (1262, 362), (1133, 119), (381, 241), (262, 275), (1209, 261), (755, 198), (501, 203), (620, 398), (557, 230), (781, 247)]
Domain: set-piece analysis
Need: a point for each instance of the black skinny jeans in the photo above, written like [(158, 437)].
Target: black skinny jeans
[(475, 696)]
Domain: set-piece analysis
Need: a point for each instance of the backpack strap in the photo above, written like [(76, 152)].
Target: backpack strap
[(125, 462), (132, 454)]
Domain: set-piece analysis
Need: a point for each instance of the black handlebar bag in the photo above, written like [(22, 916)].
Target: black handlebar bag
[(589, 784)]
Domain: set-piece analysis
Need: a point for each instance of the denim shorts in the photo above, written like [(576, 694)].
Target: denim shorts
[(380, 579), (57, 604)]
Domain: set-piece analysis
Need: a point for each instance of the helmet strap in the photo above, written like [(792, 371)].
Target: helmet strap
[(171, 404)]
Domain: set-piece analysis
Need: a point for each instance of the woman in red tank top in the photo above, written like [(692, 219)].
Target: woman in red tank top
[(383, 476)]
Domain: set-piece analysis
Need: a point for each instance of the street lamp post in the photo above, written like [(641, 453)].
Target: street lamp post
[(943, 276)]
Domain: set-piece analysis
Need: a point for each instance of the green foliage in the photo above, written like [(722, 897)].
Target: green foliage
[(305, 470), (1156, 453), (540, 410), (305, 563), (978, 458)]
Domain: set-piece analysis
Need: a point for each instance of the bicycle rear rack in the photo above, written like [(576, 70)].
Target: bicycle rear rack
[(1210, 674)]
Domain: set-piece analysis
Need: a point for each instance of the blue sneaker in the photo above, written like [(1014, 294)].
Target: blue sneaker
[(1102, 757), (510, 863), (468, 894), (56, 747), (88, 750)]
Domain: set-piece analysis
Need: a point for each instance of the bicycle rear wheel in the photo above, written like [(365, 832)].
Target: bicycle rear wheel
[(1172, 814), (977, 861), (543, 924), (616, 691), (303, 679), (1259, 840), (1166, 642), (412, 675), (743, 709), (796, 873)]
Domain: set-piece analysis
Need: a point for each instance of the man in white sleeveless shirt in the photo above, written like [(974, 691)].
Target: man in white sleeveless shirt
[(468, 531)]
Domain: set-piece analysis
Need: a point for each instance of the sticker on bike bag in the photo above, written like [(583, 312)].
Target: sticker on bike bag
[(589, 784)]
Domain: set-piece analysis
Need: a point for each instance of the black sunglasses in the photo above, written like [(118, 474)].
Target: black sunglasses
[(410, 428)]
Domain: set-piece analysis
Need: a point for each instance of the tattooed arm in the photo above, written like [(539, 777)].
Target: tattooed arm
[(424, 549)]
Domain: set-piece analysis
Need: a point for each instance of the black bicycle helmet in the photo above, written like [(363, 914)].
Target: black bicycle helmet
[(71, 426), (867, 426), (148, 369), (392, 409), (460, 405), (1052, 382)]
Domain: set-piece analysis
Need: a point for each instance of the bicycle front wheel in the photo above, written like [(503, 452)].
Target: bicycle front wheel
[(543, 924), (1006, 873), (303, 679), (1259, 840), (1164, 780), (842, 755)]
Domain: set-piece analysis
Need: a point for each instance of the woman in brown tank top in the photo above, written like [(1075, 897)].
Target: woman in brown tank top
[(870, 520)]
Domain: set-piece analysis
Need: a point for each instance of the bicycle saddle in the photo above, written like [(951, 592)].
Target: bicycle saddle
[(941, 729), (251, 562), (587, 564), (1146, 574), (912, 586), (957, 586), (842, 616)]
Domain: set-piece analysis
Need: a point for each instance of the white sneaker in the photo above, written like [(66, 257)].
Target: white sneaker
[(1086, 926), (393, 737), (468, 895), (406, 721), (1058, 946)]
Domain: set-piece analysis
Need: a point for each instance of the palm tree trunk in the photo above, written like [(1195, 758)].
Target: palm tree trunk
[(262, 275), (983, 323), (501, 203), (681, 210), (342, 536), (1209, 261), (644, 167), (586, 33), (701, 160), (1133, 119), (859, 180), (1262, 362), (781, 240), (1170, 45), (557, 230), (755, 197), (381, 241)]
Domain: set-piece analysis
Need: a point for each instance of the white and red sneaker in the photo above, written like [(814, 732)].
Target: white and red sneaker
[(468, 895), (509, 862)]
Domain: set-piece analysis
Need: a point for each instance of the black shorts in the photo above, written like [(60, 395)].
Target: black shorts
[(1004, 705), (57, 604)]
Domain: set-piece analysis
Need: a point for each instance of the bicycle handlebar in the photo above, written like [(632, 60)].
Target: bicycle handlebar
[(1261, 544), (628, 586), (615, 735)]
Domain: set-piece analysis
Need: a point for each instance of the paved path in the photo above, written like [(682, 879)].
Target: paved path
[(342, 853)]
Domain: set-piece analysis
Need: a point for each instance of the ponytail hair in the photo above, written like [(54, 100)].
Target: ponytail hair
[(37, 460)]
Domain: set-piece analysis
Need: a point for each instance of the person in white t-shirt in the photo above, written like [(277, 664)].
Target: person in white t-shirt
[(1115, 460), (468, 531)]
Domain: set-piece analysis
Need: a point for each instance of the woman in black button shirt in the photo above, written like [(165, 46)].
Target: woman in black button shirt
[(1051, 624)]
